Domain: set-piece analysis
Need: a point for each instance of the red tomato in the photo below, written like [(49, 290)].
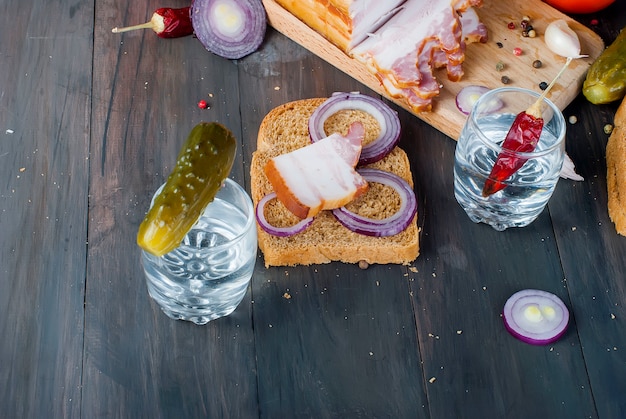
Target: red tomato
[(579, 6)]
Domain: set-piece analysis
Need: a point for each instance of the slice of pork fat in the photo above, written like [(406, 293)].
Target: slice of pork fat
[(421, 36), (321, 175)]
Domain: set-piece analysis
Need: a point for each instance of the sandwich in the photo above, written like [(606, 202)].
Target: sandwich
[(616, 170), (301, 220)]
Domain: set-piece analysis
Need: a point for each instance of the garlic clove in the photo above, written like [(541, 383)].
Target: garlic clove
[(562, 40)]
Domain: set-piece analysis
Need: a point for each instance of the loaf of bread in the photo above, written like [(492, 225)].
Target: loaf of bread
[(616, 170), (285, 129)]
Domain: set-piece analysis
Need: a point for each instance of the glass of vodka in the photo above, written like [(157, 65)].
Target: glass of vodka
[(528, 190), (207, 276)]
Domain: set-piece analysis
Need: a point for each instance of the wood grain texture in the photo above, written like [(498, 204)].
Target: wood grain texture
[(331, 340), (481, 59), (90, 125), (138, 362), (45, 78)]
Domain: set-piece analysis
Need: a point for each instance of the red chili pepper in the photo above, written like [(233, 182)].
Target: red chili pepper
[(522, 137), (166, 23)]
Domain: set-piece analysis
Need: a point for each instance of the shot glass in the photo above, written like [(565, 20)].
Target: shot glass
[(528, 190), (207, 276)]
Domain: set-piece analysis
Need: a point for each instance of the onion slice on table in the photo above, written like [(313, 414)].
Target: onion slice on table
[(386, 117), (229, 28), (389, 226), (467, 97), (278, 231), (536, 317)]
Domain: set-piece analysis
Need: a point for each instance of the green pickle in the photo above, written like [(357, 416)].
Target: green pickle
[(606, 78), (204, 162)]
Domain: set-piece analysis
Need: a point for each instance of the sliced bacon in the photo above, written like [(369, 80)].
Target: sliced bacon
[(321, 175), (422, 36)]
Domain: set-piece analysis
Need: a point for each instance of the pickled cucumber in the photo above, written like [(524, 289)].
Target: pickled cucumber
[(606, 78), (204, 162)]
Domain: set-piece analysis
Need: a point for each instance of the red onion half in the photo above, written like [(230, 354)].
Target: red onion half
[(229, 28), (388, 226), (278, 231), (386, 117), (535, 317)]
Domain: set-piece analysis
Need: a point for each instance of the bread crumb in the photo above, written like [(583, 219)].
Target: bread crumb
[(432, 380), (9, 131), (612, 316), (459, 332), (287, 296), (413, 269)]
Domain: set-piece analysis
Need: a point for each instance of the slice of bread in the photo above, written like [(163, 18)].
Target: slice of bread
[(616, 170), (285, 129)]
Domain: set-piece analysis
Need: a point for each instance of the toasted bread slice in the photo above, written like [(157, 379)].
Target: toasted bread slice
[(285, 129), (616, 170)]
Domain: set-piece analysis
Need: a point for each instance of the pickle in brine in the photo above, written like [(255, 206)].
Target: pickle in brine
[(204, 162), (606, 78)]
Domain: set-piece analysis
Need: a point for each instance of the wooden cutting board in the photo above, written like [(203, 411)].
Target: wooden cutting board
[(481, 59)]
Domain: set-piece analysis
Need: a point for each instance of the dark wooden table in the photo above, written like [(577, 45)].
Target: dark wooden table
[(90, 124)]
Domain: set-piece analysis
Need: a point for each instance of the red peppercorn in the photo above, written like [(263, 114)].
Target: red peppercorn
[(203, 104), (517, 51), (594, 22), (511, 25)]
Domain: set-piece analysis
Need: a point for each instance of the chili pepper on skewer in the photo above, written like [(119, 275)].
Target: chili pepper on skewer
[(166, 22), (523, 136)]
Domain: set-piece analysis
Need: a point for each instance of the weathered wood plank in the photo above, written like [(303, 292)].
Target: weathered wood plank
[(45, 79), (465, 274), (592, 253), (331, 340), (138, 362)]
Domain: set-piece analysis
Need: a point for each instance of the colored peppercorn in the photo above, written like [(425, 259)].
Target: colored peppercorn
[(166, 22), (537, 64), (517, 51)]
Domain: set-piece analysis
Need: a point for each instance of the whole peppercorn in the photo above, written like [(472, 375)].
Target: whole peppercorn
[(537, 64), (608, 128), (499, 66), (505, 79), (202, 104), (543, 85), (517, 51)]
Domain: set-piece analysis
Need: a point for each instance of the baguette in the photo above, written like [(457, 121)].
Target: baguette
[(285, 129), (616, 170)]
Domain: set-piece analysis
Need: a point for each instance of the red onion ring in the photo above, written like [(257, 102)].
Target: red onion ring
[(278, 231), (233, 39), (535, 317), (467, 97), (386, 117), (388, 226)]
